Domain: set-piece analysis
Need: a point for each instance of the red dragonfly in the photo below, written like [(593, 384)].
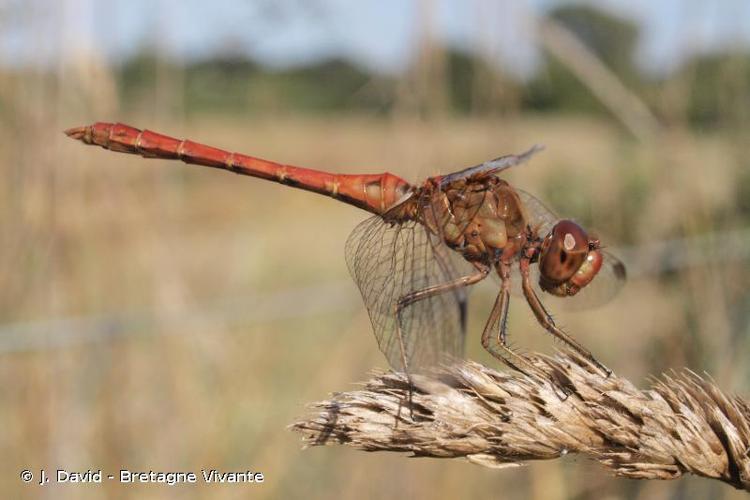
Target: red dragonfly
[(426, 244)]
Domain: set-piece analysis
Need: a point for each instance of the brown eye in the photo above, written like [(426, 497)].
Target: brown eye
[(588, 269), (563, 252)]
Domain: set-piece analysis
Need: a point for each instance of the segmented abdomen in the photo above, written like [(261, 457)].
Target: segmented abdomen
[(375, 193)]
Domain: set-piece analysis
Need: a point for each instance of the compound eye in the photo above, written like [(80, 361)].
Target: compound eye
[(588, 269), (563, 251)]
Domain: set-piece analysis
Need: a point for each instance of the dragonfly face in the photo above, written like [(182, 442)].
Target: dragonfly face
[(569, 259)]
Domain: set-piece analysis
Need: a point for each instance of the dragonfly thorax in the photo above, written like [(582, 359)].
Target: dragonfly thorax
[(483, 219)]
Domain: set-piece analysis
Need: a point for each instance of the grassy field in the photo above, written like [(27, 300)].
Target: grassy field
[(163, 317)]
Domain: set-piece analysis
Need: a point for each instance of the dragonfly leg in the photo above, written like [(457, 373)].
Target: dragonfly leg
[(431, 291), (494, 335), (544, 319), (425, 293)]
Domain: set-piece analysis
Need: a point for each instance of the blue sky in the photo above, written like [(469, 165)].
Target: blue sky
[(379, 34)]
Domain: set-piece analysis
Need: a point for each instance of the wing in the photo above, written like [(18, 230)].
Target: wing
[(492, 167), (389, 261), (606, 284), (540, 216)]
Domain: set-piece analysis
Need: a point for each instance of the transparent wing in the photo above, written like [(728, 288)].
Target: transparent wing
[(389, 261), (541, 218), (492, 167), (603, 288)]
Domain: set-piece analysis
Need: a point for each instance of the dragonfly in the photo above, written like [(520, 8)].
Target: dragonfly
[(426, 244)]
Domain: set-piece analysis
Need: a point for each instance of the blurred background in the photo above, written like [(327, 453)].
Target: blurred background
[(155, 316)]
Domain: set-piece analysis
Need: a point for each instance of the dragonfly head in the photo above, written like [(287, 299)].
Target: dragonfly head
[(569, 259)]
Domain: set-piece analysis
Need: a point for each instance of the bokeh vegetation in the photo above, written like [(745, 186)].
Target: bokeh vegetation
[(156, 316), (707, 91)]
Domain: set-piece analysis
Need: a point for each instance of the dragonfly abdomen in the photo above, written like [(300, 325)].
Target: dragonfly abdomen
[(375, 193)]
